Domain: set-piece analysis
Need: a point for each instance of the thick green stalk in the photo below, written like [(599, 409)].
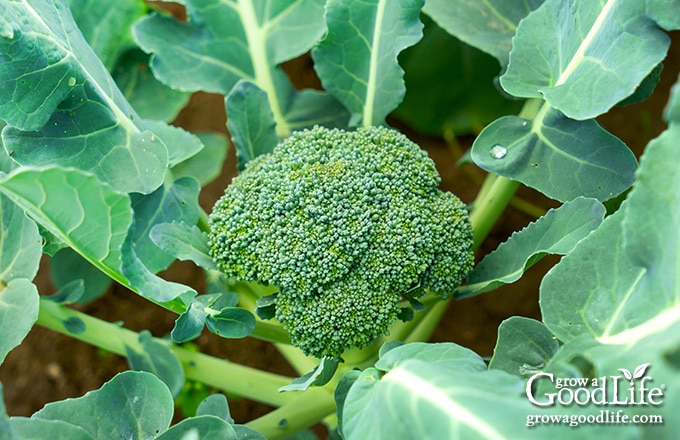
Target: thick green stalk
[(228, 376), (306, 409)]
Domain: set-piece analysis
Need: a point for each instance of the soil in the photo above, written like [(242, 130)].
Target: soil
[(49, 366)]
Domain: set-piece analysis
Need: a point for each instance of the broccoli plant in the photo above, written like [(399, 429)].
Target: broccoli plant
[(337, 243)]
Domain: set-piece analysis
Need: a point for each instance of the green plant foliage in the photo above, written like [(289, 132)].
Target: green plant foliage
[(357, 59), (48, 101), (639, 277), (183, 242), (524, 346), (148, 96), (438, 403), (575, 67), (207, 163), (449, 85), (110, 37), (557, 232), (67, 266), (550, 150), (18, 313), (143, 408), (251, 122), (20, 243), (174, 201), (232, 41), (157, 358), (77, 208), (488, 25)]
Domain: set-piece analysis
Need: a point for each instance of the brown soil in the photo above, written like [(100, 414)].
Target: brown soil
[(50, 366)]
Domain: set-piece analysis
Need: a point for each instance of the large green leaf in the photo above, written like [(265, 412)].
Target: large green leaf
[(183, 242), (421, 400), (18, 312), (583, 66), (151, 98), (487, 25), (61, 105), (133, 404), (560, 157), (91, 218), (450, 86), (557, 232), (226, 41), (107, 25), (624, 282), (357, 59), (37, 429), (20, 243)]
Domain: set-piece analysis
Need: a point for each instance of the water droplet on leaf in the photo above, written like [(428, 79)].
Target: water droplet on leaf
[(71, 82), (498, 151)]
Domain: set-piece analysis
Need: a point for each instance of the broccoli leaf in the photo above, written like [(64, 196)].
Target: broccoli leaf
[(205, 165), (215, 405), (560, 157), (557, 232), (67, 266), (183, 242), (134, 404), (91, 218), (357, 59), (173, 202), (20, 243), (251, 122), (488, 25), (450, 86), (19, 303), (38, 429), (524, 346), (157, 358), (320, 376), (107, 27), (439, 404), (573, 63), (623, 279), (230, 41), (61, 105)]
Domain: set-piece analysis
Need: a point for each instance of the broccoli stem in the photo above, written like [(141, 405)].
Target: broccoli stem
[(304, 410), (228, 376)]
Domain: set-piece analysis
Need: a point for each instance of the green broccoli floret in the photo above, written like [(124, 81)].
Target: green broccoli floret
[(344, 224)]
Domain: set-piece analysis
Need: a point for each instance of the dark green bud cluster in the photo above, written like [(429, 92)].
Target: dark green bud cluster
[(344, 224)]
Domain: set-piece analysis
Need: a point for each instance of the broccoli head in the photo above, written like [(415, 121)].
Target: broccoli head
[(345, 224)]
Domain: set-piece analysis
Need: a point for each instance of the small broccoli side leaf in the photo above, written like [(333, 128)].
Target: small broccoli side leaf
[(320, 376), (524, 346), (183, 242), (156, 357), (557, 232), (266, 306), (251, 122)]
